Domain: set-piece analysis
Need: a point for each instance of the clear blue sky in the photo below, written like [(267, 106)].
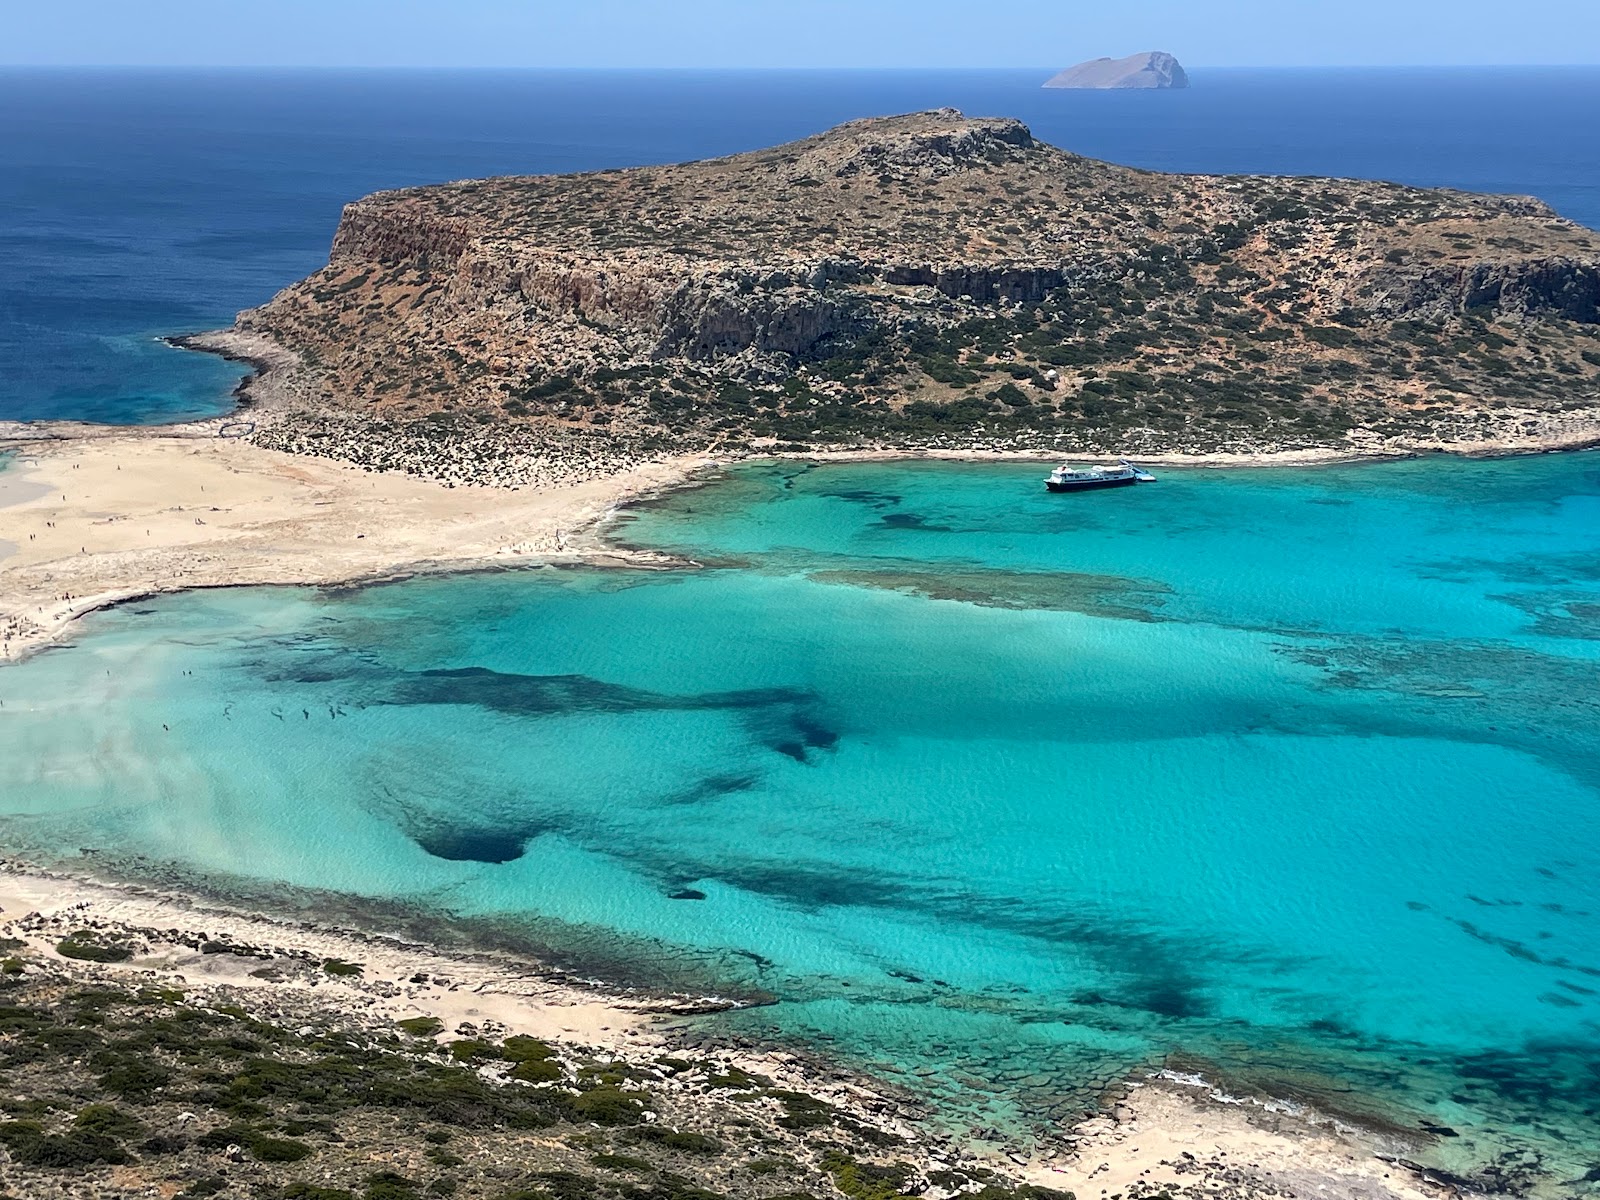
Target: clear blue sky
[(794, 33)]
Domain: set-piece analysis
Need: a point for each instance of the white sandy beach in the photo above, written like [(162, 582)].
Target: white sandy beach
[(98, 519)]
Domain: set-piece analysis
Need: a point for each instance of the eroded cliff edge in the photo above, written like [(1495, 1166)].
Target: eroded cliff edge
[(933, 279)]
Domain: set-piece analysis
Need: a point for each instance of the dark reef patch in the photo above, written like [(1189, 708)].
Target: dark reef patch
[(560, 695), (813, 734), (987, 587), (1155, 975), (1521, 950), (711, 788), (866, 496), (474, 845), (1540, 569), (914, 522), (1573, 615), (484, 842), (533, 695), (810, 886)]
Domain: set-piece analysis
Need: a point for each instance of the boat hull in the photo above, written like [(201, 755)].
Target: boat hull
[(1084, 485)]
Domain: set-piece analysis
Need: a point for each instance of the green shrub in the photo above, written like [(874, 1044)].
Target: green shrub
[(109, 1120), (865, 1181), (278, 1150), (1028, 1191), (29, 1145), (525, 1049), (737, 1079), (132, 1079), (678, 1139), (386, 1185), (608, 1105), (263, 1147), (337, 966), (420, 1026), (473, 1050), (622, 1162), (310, 1191), (565, 1185), (802, 1111)]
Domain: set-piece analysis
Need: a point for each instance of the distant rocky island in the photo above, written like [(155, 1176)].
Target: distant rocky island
[(938, 281), (1152, 69)]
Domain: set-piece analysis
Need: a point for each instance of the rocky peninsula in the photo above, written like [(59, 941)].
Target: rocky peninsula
[(934, 281)]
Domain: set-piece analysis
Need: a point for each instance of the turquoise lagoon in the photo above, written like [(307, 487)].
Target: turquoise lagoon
[(1291, 775)]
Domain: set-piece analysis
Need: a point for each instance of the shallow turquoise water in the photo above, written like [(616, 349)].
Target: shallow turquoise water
[(1294, 771)]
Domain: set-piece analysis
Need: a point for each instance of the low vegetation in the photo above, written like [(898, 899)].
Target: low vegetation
[(116, 1090)]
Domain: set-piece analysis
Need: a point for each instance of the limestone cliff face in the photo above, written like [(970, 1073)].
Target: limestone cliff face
[(398, 233), (1558, 286), (935, 260)]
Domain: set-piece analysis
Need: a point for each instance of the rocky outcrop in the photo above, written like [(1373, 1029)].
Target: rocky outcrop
[(710, 320), (960, 144), (983, 284), (1562, 287), (378, 231), (1154, 69)]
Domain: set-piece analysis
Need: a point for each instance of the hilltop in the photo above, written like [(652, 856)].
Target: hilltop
[(935, 280)]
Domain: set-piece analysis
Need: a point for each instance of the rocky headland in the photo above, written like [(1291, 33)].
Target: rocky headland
[(1150, 70), (931, 281)]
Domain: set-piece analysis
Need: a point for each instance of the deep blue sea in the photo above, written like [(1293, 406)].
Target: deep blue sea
[(1291, 775), (140, 203)]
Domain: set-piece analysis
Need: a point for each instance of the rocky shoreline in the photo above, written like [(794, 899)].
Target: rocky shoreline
[(282, 392), (747, 1115)]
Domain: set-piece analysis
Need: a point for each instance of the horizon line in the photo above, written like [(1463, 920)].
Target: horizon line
[(180, 66)]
